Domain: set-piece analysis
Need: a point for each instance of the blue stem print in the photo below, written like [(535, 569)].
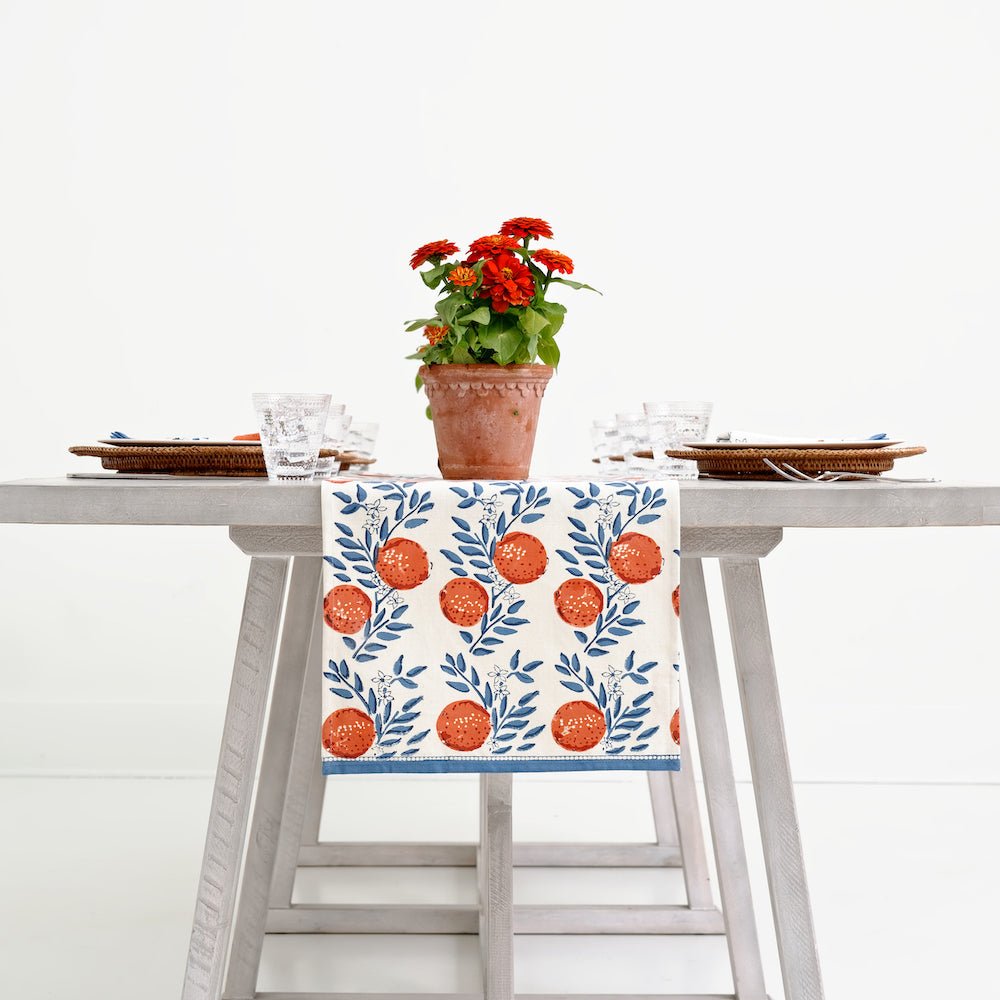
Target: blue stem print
[(508, 713), (475, 558), (623, 716), (389, 507), (394, 724), (591, 556)]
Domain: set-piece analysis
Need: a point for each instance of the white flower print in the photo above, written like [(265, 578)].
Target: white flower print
[(490, 512), (499, 677), (383, 685), (607, 511), (375, 511), (614, 679)]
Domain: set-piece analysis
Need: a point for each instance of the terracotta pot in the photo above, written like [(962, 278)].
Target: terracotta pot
[(485, 417)]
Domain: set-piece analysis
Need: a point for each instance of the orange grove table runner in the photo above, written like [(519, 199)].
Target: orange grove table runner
[(500, 626)]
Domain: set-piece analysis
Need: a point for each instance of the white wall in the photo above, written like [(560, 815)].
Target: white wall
[(791, 208)]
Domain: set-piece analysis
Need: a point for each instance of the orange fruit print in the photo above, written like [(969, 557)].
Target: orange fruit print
[(346, 609), (635, 558), (578, 725), (675, 726), (578, 602), (463, 601), (675, 599), (463, 725), (520, 557), (402, 563), (348, 732)]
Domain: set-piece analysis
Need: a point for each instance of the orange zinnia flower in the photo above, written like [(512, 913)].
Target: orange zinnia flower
[(524, 226), (506, 282), (435, 334), (490, 246), (553, 260), (464, 277), (434, 252)]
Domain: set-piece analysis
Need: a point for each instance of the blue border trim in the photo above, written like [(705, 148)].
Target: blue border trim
[(458, 765)]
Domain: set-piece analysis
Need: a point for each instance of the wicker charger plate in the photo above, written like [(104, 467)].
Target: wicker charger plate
[(220, 460), (748, 463)]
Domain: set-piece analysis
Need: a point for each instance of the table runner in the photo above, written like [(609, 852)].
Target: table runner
[(500, 626)]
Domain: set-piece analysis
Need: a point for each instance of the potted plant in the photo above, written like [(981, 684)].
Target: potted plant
[(492, 326)]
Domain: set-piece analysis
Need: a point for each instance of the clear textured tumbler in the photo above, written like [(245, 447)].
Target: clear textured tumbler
[(670, 425), (291, 432), (634, 436), (334, 439)]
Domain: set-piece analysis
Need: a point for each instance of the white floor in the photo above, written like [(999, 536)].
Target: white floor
[(97, 886)]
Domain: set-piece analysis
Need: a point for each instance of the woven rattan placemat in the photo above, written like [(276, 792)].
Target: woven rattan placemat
[(221, 460), (748, 463)]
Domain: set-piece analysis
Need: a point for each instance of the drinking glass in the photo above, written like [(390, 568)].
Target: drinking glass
[(334, 439), (291, 431), (604, 435), (361, 440), (634, 436), (670, 425)]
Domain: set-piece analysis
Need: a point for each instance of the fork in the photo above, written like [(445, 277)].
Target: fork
[(794, 475)]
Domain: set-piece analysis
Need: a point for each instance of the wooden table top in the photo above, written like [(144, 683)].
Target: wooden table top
[(246, 502)]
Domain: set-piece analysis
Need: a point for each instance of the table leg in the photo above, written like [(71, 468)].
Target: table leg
[(697, 883), (664, 815), (300, 649), (234, 779), (496, 886), (772, 779), (305, 768), (316, 792), (720, 787)]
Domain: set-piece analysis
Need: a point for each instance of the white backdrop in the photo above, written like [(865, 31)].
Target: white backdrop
[(791, 209)]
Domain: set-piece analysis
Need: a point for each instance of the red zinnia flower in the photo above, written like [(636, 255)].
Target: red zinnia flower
[(506, 282), (523, 226), (433, 252), (435, 334), (553, 260), (490, 246), (464, 277)]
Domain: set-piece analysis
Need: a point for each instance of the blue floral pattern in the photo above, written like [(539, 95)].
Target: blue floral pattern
[(475, 549), (480, 626)]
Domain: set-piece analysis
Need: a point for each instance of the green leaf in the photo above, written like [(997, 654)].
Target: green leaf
[(419, 324), (548, 351), (418, 381), (427, 413), (508, 341), (434, 276), (532, 322), (551, 309), (480, 315), (448, 308), (574, 284)]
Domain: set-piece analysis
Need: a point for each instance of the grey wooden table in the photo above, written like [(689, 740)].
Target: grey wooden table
[(279, 527)]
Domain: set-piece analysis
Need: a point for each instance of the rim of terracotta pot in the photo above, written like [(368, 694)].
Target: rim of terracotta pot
[(487, 372)]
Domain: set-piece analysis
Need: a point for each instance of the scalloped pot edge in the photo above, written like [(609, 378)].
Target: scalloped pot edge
[(485, 417)]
